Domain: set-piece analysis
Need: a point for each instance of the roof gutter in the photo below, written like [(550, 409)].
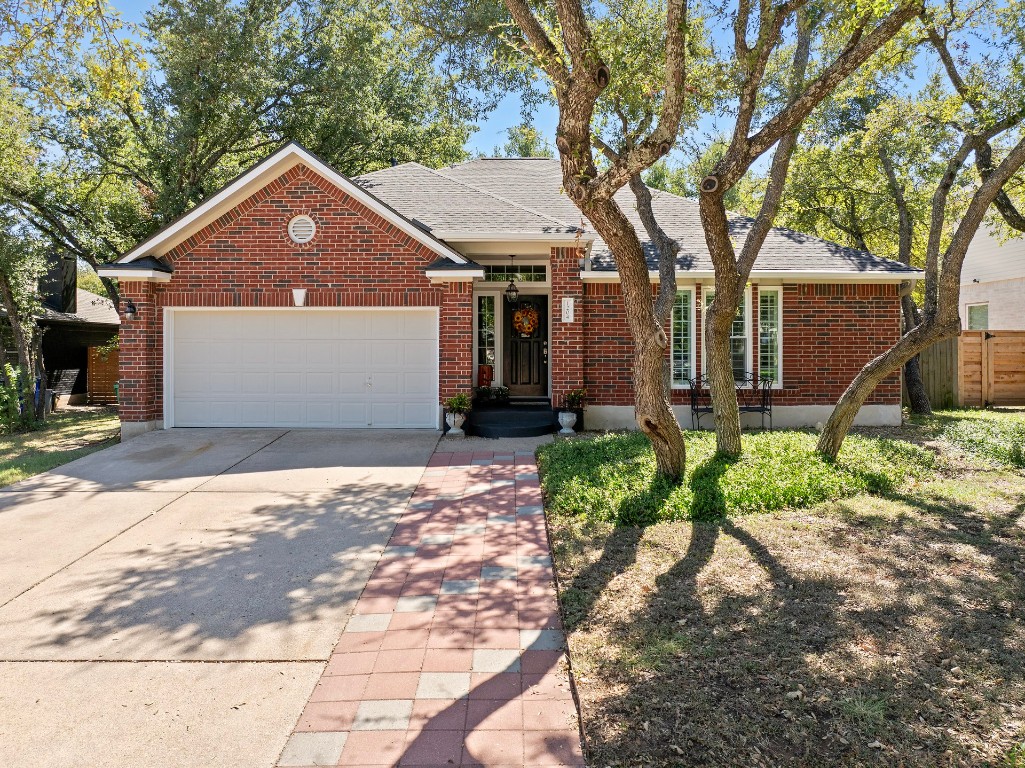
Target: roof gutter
[(788, 275), (462, 236)]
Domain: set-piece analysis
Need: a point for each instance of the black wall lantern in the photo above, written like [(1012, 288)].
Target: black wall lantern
[(131, 311), (512, 292)]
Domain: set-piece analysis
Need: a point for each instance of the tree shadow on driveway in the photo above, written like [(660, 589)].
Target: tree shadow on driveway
[(213, 576)]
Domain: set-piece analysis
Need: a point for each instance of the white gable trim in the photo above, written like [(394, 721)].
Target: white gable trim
[(258, 177), (141, 275)]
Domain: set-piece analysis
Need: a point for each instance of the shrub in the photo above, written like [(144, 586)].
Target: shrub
[(612, 477), (16, 394), (460, 403)]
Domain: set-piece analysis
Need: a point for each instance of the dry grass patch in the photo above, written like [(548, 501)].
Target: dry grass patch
[(66, 435), (883, 631)]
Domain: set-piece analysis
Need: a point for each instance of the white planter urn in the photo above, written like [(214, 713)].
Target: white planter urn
[(567, 419), (455, 424)]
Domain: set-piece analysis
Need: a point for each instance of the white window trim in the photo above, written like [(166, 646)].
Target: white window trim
[(484, 284), (499, 319), (693, 341), (967, 319), (777, 289), (749, 353)]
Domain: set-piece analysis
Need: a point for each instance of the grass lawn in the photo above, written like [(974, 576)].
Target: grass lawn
[(67, 435), (883, 627)]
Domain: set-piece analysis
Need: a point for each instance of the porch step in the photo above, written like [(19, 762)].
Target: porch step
[(513, 420)]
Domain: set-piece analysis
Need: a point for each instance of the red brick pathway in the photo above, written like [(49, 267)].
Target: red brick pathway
[(454, 654)]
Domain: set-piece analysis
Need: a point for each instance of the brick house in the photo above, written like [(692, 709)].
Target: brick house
[(297, 297)]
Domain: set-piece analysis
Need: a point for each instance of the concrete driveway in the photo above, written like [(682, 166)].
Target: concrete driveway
[(172, 601)]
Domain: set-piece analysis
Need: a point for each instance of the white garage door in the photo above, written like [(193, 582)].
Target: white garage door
[(304, 368)]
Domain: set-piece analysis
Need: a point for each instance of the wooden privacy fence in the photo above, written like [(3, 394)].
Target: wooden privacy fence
[(939, 373), (101, 375), (992, 368)]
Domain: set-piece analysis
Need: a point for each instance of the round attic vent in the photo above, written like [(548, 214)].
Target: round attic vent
[(302, 229)]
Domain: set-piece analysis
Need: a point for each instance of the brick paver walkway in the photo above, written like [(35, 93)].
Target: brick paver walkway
[(454, 654)]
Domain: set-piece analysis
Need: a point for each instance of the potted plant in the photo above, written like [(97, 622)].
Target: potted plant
[(456, 408), (571, 412), (500, 394), (482, 394)]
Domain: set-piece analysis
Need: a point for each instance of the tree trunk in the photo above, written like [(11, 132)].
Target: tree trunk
[(913, 368), (722, 385), (654, 413), (928, 332)]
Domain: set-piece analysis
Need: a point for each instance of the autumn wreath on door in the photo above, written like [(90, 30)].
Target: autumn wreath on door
[(525, 319)]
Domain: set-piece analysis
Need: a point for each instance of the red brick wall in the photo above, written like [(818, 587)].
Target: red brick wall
[(139, 355), (246, 259), (829, 333), (456, 340), (566, 340)]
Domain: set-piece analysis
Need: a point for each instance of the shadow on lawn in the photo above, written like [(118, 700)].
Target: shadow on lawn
[(797, 642)]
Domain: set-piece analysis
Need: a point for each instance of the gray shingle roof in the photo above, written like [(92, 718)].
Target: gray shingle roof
[(90, 308), (524, 195), (442, 203)]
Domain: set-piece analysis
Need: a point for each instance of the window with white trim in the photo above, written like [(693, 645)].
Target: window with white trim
[(740, 346), (770, 334), (682, 337), (978, 317)]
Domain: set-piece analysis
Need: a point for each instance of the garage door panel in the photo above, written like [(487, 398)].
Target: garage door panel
[(418, 412), (386, 325), (415, 381), (204, 351), (257, 413), (289, 353), (352, 353), (322, 354), (256, 354), (305, 368), (215, 412), (256, 383), (419, 354), (386, 354), (288, 384), (419, 328), (223, 382), (287, 326), (321, 383), (353, 325), (384, 384)]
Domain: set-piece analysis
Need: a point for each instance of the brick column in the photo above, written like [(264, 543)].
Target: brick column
[(566, 343), (456, 342), (138, 353)]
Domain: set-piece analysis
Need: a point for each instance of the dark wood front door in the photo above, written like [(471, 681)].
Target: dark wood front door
[(526, 346)]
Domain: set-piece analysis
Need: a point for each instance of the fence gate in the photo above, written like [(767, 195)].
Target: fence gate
[(992, 368)]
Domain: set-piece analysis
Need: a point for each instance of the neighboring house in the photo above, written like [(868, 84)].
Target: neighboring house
[(402, 276), (78, 327), (993, 284), (75, 356)]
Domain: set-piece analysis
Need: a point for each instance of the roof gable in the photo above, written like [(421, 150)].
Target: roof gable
[(264, 173)]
